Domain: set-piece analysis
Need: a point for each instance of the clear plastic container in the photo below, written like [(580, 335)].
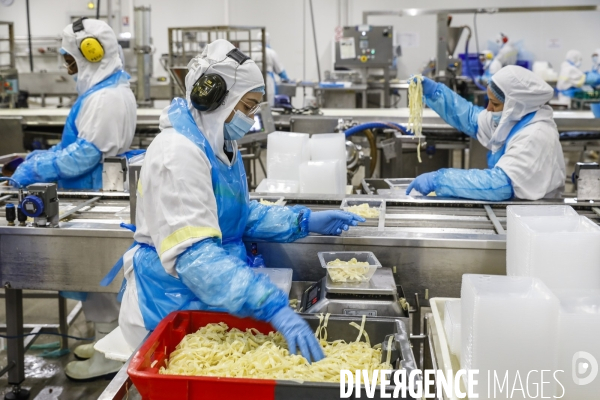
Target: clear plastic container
[(378, 204), (281, 277), (349, 273), (276, 200), (277, 186), (452, 325)]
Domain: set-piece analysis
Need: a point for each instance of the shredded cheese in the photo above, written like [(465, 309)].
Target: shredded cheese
[(216, 350), (267, 202), (364, 210), (415, 105), (389, 347), (348, 271)]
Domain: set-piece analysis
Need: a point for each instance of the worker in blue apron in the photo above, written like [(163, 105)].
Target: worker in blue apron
[(525, 158), (100, 124), (193, 211)]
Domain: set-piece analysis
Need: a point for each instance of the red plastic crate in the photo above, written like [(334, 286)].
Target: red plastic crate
[(162, 342)]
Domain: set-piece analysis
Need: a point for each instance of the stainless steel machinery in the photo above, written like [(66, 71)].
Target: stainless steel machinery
[(587, 181)]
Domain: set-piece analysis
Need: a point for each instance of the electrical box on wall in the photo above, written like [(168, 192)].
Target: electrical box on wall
[(364, 46)]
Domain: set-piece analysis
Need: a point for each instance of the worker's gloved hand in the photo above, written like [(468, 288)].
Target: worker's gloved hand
[(592, 78), (298, 334), (423, 184), (429, 85), (332, 222)]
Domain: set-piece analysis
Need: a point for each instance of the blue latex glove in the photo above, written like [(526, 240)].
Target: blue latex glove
[(592, 78), (283, 75), (332, 222), (424, 183), (298, 334), (429, 86)]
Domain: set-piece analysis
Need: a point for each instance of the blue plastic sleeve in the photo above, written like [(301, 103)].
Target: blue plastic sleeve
[(76, 159), (226, 282), (455, 110), (477, 184), (275, 223)]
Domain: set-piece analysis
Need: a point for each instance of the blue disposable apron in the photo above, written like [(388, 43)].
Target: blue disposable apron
[(92, 179), (160, 293), (493, 158)]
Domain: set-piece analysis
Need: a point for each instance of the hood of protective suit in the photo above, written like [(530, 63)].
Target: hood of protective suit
[(574, 57), (240, 80), (524, 92), (90, 73)]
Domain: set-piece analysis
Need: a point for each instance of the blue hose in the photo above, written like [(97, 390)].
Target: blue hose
[(376, 125)]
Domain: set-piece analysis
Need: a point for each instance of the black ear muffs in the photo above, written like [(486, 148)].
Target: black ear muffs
[(208, 92)]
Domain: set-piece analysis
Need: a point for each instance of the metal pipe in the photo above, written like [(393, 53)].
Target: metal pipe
[(312, 18), (98, 9), (29, 37)]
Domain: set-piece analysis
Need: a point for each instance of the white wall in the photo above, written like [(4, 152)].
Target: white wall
[(288, 22)]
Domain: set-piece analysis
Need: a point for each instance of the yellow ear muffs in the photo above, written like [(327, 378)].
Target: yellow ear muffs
[(91, 49)]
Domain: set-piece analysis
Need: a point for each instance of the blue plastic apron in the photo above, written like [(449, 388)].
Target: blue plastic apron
[(92, 179), (493, 158), (160, 293)]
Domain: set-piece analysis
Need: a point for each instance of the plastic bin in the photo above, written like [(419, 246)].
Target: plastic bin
[(578, 332), (285, 152), (379, 204), (508, 324), (281, 277), (331, 146), (320, 177), (452, 325), (171, 330), (472, 67), (361, 256)]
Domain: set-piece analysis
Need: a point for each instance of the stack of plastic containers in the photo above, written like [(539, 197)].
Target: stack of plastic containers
[(331, 147), (286, 151), (320, 177), (579, 351), (508, 325), (555, 244), (452, 322)]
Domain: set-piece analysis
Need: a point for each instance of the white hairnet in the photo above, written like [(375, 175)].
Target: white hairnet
[(574, 57), (524, 93), (90, 73), (240, 80)]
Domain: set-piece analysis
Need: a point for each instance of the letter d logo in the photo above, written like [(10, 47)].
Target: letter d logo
[(584, 364)]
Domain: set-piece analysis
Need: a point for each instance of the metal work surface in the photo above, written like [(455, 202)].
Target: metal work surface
[(148, 117)]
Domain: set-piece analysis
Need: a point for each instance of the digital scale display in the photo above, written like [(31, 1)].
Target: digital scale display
[(311, 295)]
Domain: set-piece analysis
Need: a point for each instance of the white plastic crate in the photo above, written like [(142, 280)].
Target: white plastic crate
[(452, 321), (285, 152), (319, 177), (330, 146), (508, 324)]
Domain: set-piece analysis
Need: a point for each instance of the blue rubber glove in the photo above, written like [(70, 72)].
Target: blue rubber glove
[(424, 183), (592, 78), (298, 334), (332, 222), (429, 86)]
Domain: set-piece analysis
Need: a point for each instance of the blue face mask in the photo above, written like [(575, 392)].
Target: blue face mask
[(240, 125), (496, 116), (74, 76)]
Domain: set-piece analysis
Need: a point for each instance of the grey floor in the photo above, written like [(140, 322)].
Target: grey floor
[(44, 376)]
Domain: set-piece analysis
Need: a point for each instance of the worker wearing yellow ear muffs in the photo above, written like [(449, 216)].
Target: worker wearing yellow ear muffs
[(101, 123)]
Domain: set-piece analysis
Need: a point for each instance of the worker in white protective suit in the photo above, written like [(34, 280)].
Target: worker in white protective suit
[(193, 210), (571, 76), (525, 160), (101, 123), (275, 69), (507, 55)]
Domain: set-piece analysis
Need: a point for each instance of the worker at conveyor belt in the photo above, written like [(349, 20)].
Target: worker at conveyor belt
[(101, 123), (193, 210), (525, 158)]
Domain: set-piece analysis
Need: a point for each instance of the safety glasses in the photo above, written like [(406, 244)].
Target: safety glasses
[(253, 109)]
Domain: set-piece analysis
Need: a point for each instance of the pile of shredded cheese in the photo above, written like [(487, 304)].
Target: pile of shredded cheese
[(415, 105), (216, 350), (347, 271), (364, 210), (267, 202)]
